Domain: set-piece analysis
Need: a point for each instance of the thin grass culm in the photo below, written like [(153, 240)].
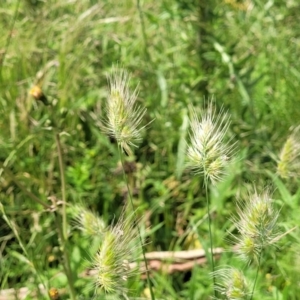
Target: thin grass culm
[(208, 153), (123, 123)]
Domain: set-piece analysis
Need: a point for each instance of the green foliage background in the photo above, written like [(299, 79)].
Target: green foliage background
[(244, 53)]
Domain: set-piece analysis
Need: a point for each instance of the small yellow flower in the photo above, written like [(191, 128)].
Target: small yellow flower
[(37, 93), (54, 294)]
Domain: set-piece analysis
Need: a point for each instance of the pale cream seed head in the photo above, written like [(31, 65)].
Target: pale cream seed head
[(123, 115), (208, 152)]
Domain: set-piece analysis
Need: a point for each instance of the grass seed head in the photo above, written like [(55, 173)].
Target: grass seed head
[(232, 284), (208, 153), (88, 222), (256, 224), (123, 115), (288, 164), (120, 245)]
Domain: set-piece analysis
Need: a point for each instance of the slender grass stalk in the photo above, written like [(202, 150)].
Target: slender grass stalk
[(212, 261), (14, 229), (9, 37), (143, 27), (24, 189), (135, 220), (66, 262), (63, 186), (256, 275), (31, 262), (208, 155), (62, 227)]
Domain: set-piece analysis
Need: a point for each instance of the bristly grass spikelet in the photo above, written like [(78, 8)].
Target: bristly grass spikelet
[(123, 115), (208, 153), (288, 164), (123, 120), (120, 245), (231, 284), (88, 222), (256, 224)]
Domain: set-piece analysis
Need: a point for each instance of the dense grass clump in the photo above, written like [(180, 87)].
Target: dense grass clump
[(112, 153)]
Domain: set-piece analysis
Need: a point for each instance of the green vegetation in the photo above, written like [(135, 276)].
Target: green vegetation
[(57, 161)]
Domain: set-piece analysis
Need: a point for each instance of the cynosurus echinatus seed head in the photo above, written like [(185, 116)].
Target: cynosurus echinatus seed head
[(123, 115), (208, 152)]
